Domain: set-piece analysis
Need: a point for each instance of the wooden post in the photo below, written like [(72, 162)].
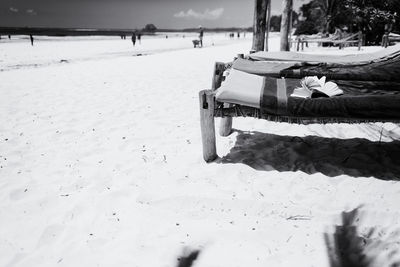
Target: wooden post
[(364, 39), (219, 69), (360, 40), (259, 23), (385, 39), (285, 28), (290, 27), (206, 98), (268, 25), (225, 127), (340, 34)]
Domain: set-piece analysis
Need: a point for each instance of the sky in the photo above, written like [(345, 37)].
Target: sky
[(131, 14)]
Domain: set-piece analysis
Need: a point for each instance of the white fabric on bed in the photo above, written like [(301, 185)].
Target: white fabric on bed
[(241, 88)]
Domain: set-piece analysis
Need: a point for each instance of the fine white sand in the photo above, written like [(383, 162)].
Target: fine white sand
[(101, 162)]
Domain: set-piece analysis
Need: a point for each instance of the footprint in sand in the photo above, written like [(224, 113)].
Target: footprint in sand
[(18, 194), (50, 235), (16, 259)]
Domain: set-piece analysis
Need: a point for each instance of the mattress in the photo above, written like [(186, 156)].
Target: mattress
[(270, 94)]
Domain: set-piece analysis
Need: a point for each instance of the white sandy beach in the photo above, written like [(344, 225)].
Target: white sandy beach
[(101, 162)]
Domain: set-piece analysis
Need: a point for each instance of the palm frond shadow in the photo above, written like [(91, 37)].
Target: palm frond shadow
[(356, 157), (348, 246), (188, 258)]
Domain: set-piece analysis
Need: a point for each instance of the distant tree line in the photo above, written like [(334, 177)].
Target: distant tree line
[(150, 28), (371, 17)]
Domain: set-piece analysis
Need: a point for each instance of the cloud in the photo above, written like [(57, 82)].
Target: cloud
[(13, 9), (31, 12), (206, 15)]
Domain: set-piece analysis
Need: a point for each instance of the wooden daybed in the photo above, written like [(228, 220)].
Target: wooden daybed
[(371, 84)]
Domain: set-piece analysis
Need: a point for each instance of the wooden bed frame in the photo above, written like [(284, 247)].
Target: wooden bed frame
[(210, 108)]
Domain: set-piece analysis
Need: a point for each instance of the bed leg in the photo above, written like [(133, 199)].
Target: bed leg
[(206, 98), (225, 127)]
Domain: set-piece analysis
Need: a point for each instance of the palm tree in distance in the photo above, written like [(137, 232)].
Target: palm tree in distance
[(328, 10)]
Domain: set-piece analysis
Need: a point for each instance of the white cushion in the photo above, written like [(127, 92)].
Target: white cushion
[(241, 88)]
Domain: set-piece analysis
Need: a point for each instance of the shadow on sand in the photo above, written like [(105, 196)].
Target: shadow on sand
[(354, 245), (355, 157)]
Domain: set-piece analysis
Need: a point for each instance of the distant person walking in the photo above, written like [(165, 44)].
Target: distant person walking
[(133, 39), (139, 37), (201, 33), (31, 37)]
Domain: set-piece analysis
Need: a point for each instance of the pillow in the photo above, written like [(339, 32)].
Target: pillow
[(241, 88)]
